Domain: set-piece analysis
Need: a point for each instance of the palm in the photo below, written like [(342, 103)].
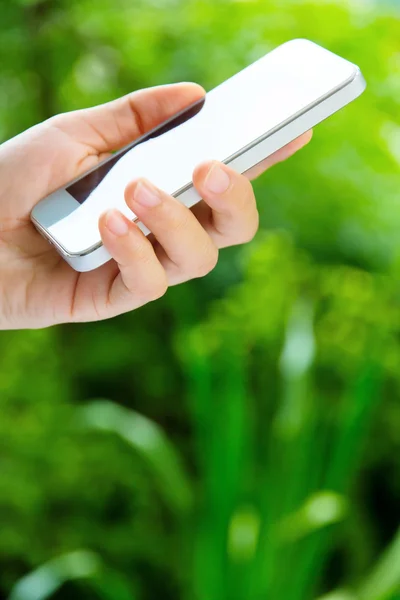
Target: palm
[(36, 285)]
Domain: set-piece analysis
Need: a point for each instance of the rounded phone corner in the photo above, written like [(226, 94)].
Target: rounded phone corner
[(299, 42), (93, 259), (359, 80), (32, 214)]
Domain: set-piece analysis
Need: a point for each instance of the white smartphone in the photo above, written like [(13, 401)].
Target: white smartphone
[(240, 122)]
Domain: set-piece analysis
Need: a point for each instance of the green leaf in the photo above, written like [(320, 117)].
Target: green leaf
[(320, 510), (47, 579), (149, 441), (383, 583), (43, 582), (339, 595)]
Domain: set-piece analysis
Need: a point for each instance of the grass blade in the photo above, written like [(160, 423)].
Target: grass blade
[(218, 404), (81, 565), (48, 578), (384, 581), (359, 405), (149, 440)]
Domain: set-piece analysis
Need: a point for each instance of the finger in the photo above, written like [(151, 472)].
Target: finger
[(229, 213), (112, 125), (182, 246), (279, 155), (141, 277)]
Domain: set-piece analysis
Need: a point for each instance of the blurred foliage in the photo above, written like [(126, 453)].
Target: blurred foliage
[(249, 446)]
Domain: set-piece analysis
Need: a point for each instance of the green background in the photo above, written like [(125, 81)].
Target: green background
[(238, 439)]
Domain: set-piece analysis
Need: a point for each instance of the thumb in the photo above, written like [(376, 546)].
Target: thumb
[(112, 125)]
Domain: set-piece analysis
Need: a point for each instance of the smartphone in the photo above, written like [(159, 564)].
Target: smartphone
[(240, 122)]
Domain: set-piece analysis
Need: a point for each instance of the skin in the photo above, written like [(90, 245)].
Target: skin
[(38, 289)]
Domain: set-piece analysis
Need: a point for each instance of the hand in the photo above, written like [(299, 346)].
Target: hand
[(38, 289)]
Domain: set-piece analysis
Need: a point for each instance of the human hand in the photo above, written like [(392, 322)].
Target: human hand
[(38, 288)]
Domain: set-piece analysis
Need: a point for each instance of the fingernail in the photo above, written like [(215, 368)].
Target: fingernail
[(217, 180), (116, 223), (146, 194)]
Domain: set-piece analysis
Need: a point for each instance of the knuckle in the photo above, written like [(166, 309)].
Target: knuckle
[(54, 120), (208, 263), (159, 290), (247, 197), (155, 290), (251, 230), (178, 219), (137, 251)]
